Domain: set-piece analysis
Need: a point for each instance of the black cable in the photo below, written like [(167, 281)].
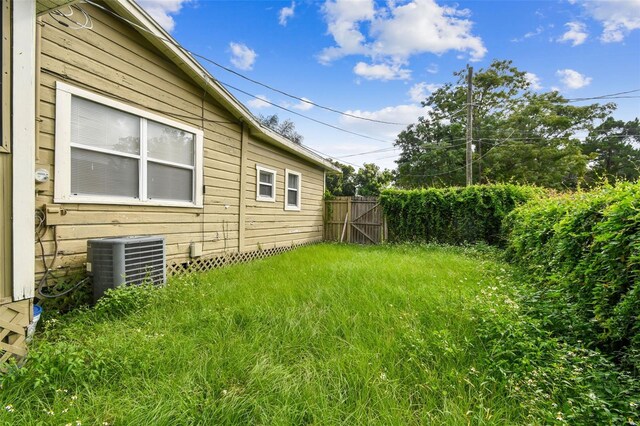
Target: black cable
[(304, 116), (40, 217)]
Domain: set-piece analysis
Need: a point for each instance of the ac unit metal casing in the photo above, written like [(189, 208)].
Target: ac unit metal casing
[(132, 260)]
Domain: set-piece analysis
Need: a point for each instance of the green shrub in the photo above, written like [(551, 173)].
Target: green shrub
[(452, 215), (125, 300), (582, 252)]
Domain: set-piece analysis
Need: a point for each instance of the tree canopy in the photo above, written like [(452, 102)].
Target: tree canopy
[(367, 181), (519, 135), (614, 150), (286, 128)]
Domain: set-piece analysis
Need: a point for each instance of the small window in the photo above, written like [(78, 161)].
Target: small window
[(265, 184), (293, 189), (110, 153)]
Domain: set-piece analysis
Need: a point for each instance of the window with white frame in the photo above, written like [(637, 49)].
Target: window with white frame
[(109, 152), (293, 188), (265, 184)]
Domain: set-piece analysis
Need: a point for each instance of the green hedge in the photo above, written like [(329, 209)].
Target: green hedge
[(582, 252), (452, 215)]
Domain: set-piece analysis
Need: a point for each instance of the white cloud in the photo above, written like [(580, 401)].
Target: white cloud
[(382, 72), (576, 34), (303, 106), (261, 102), (286, 13), (533, 80), (242, 57), (433, 69), (404, 114), (619, 17), (420, 91), (539, 30), (161, 11), (343, 23), (573, 79), (398, 30)]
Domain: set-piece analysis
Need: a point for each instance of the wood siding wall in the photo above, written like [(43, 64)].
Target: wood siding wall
[(268, 224), (114, 60)]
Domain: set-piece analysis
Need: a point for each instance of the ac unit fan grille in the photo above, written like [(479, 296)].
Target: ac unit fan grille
[(144, 262)]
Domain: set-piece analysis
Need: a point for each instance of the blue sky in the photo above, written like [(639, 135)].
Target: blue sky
[(378, 59)]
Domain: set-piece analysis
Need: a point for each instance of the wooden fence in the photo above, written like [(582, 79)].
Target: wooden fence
[(357, 220)]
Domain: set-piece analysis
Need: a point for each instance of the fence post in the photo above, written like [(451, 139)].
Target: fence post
[(349, 201)]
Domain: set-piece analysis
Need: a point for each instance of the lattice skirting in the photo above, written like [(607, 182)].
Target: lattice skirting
[(14, 318), (204, 264)]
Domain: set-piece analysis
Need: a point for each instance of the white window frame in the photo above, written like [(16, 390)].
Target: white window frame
[(62, 189), (259, 197), (298, 205)]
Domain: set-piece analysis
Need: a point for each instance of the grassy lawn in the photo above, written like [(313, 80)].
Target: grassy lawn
[(322, 335)]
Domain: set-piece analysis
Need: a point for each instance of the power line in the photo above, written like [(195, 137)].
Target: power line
[(618, 95), (176, 44), (302, 115), (307, 101), (465, 166), (211, 61), (369, 152), (242, 91)]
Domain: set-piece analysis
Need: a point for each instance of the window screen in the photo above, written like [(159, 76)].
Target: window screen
[(266, 184), (96, 173), (101, 127), (169, 144), (293, 187), (169, 183)]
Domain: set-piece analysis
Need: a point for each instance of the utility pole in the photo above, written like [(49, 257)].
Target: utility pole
[(469, 125)]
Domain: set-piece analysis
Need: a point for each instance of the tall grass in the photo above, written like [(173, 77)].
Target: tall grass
[(323, 335)]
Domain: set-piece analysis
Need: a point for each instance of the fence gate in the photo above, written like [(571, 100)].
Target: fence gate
[(355, 220)]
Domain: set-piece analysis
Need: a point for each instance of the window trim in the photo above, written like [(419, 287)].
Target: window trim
[(298, 205), (5, 142), (62, 183), (259, 197)]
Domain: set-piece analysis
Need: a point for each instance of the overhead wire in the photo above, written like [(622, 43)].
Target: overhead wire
[(176, 44), (130, 101), (211, 61), (618, 95), (463, 167), (302, 115)]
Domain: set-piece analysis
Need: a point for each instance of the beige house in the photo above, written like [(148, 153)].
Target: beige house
[(118, 131)]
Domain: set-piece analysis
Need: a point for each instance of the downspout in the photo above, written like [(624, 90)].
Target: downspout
[(243, 183)]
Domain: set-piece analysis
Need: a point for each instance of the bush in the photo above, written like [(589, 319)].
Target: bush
[(452, 215), (582, 252), (551, 380)]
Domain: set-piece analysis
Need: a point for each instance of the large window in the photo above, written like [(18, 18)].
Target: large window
[(109, 152), (293, 182), (265, 184)]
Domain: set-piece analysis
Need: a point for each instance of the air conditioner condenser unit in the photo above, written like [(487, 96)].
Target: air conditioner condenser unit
[(132, 260)]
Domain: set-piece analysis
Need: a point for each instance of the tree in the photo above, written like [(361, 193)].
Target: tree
[(341, 184), (370, 180), (614, 150), (518, 135), (286, 128), (540, 145)]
